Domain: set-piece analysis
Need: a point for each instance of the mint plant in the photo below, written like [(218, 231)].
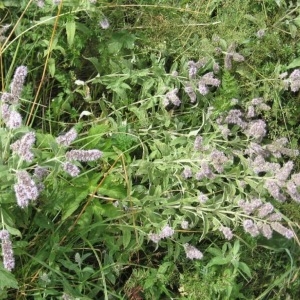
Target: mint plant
[(149, 151), (20, 164)]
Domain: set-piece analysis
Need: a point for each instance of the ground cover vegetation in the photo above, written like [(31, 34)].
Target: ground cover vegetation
[(149, 149)]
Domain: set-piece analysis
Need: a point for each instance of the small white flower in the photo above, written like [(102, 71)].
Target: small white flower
[(79, 82), (184, 224), (104, 24)]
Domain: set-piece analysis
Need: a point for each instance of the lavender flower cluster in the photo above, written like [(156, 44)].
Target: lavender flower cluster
[(277, 181), (28, 187), (7, 251), (40, 3), (167, 231), (232, 55), (226, 232), (210, 160), (22, 147), (75, 155), (269, 220), (172, 98), (255, 129), (256, 105), (293, 81), (204, 83), (3, 30), (192, 252), (25, 189), (9, 100)]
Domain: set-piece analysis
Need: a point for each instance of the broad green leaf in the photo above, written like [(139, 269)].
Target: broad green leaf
[(126, 238), (219, 261), (214, 251), (236, 247), (147, 85), (69, 265), (293, 30), (7, 280), (294, 64), (164, 267), (245, 269), (42, 221), (46, 20), (297, 21), (150, 281), (14, 231), (51, 66), (70, 29), (95, 62), (114, 47), (76, 196)]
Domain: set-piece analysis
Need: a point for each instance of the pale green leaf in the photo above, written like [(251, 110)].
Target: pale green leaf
[(51, 66), (70, 29), (126, 237), (297, 21), (294, 64)]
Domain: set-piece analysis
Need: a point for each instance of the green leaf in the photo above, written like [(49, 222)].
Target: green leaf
[(95, 135), (293, 30), (70, 29), (294, 64), (164, 268), (150, 281), (236, 247), (297, 21), (95, 62), (219, 261), (51, 66), (245, 269), (76, 196), (7, 280), (13, 231), (214, 251), (126, 236)]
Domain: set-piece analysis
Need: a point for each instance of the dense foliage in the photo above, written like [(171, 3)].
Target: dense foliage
[(149, 149)]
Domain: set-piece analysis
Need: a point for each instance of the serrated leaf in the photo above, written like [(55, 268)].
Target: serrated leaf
[(70, 29)]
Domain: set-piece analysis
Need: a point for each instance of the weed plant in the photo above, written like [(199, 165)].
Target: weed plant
[(149, 149)]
